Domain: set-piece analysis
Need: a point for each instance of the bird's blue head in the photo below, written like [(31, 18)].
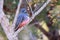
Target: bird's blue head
[(23, 10)]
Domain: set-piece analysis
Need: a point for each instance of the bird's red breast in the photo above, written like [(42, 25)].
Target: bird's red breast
[(23, 24)]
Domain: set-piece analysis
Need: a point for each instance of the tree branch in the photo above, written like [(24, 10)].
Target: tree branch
[(17, 12), (48, 34), (45, 4), (5, 23), (2, 19)]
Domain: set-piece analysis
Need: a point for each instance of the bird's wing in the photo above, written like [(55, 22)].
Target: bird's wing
[(19, 20)]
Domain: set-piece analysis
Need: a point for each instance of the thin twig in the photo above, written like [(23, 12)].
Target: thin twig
[(17, 12)]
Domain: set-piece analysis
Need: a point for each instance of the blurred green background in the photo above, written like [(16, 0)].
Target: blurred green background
[(10, 7)]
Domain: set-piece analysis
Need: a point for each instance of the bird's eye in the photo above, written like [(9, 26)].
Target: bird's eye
[(25, 11)]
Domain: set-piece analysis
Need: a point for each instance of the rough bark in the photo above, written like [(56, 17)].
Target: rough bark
[(5, 22)]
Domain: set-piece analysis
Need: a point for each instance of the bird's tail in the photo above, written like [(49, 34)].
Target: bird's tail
[(16, 28)]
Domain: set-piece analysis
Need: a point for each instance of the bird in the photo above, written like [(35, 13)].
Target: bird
[(22, 19)]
